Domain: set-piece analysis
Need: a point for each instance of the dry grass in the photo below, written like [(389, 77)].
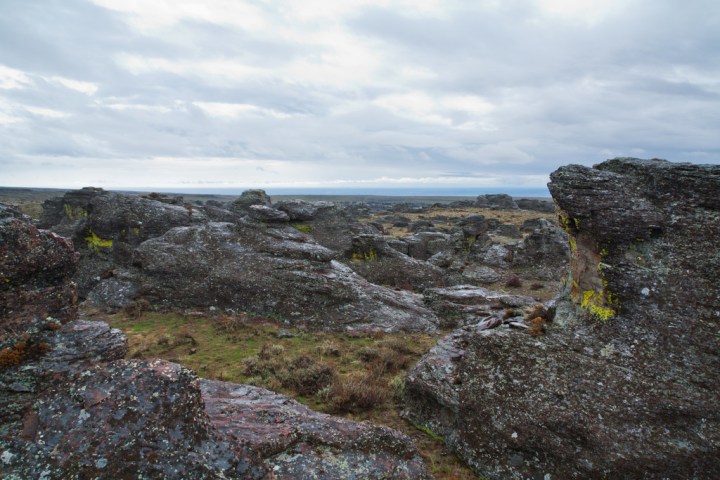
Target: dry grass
[(359, 375), (515, 217)]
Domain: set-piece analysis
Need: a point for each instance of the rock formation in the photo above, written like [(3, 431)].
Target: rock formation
[(71, 407), (247, 259), (624, 382)]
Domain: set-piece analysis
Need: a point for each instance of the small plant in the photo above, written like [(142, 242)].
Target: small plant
[(357, 392), (514, 282), (397, 384), (537, 326)]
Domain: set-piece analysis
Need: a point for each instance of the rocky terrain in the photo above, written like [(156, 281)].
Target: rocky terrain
[(615, 378), (619, 377), (73, 408), (313, 263)]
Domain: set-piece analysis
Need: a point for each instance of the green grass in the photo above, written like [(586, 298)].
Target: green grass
[(222, 346)]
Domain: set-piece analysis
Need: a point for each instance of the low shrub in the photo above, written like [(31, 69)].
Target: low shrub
[(357, 392)]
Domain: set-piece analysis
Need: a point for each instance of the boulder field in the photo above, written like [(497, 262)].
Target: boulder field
[(71, 407), (624, 381), (246, 257)]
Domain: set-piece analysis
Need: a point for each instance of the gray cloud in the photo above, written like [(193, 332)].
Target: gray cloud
[(453, 93)]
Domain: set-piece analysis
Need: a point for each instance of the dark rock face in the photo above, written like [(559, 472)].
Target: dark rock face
[(296, 442), (34, 277), (624, 382), (249, 198)]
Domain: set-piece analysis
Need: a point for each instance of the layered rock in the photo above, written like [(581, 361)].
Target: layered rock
[(624, 382)]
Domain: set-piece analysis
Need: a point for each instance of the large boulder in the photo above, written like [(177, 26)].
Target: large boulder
[(623, 384), (273, 271), (296, 442)]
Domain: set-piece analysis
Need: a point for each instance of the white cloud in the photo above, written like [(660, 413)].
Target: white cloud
[(87, 88), (11, 78)]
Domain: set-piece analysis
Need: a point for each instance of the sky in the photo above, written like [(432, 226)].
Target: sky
[(350, 94)]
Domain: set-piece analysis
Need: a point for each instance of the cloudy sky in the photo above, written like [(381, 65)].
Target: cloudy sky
[(479, 94)]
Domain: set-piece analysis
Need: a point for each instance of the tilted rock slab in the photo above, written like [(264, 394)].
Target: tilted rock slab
[(625, 382)]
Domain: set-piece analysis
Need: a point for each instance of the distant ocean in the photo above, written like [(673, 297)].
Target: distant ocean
[(399, 192)]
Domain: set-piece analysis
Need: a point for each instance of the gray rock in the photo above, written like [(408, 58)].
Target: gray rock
[(499, 201), (373, 257), (622, 384), (263, 213), (480, 274), (275, 271), (249, 198), (535, 205), (296, 442)]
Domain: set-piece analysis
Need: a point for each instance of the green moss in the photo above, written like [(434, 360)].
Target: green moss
[(302, 227), (136, 231), (95, 243), (425, 429), (75, 213), (573, 244)]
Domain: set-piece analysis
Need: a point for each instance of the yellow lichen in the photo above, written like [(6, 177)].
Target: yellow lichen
[(96, 243), (136, 231), (367, 256), (74, 213), (599, 304)]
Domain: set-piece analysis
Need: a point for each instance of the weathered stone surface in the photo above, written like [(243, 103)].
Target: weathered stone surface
[(263, 213), (248, 198), (535, 205), (175, 256), (545, 251), (34, 284), (373, 257), (467, 304), (296, 442), (105, 228), (278, 271), (624, 382)]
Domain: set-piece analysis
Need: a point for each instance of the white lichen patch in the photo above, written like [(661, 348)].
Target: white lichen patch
[(6, 457)]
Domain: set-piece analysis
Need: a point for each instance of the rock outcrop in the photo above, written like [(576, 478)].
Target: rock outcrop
[(247, 259), (623, 383), (71, 407)]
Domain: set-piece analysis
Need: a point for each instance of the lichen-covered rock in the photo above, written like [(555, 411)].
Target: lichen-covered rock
[(105, 228), (623, 384), (466, 304), (296, 442), (278, 271), (35, 289), (545, 251), (375, 259)]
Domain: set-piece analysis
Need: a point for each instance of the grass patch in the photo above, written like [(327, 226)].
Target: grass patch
[(357, 375)]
